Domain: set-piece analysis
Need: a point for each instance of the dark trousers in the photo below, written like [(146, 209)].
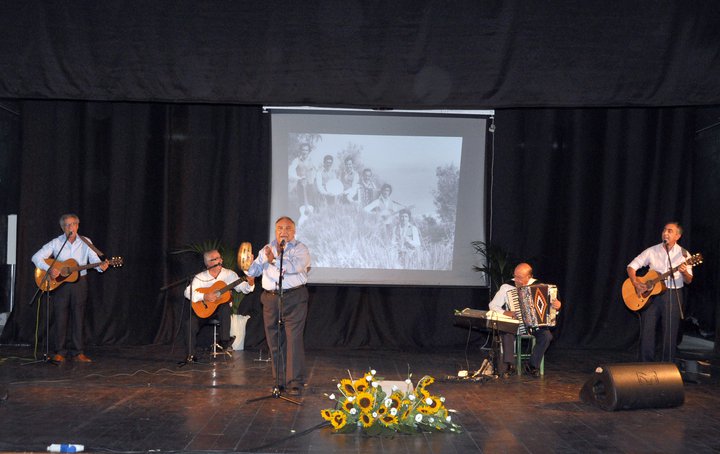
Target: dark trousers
[(222, 313), (663, 309), (69, 301), (288, 357), (543, 337)]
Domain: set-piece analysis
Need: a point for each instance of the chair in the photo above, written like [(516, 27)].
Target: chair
[(216, 347), (520, 355)]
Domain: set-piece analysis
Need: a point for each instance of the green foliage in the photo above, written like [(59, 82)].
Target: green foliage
[(498, 266)]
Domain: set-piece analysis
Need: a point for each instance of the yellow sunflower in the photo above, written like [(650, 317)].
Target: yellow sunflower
[(326, 414), (389, 420), (347, 406), (430, 405), (365, 401), (346, 385), (396, 398), (339, 419), (425, 410), (422, 393), (382, 409), (433, 402), (361, 385), (366, 419)]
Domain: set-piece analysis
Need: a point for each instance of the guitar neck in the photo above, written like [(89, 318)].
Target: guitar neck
[(229, 286), (669, 272), (85, 267)]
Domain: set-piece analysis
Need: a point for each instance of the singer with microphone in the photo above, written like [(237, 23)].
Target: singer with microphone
[(664, 309), (285, 304), (203, 288), (70, 297)]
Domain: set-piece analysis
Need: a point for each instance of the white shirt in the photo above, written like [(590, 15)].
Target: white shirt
[(204, 280), (656, 257), (77, 250)]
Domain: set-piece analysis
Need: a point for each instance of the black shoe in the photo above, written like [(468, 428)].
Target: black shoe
[(533, 371), (509, 370)]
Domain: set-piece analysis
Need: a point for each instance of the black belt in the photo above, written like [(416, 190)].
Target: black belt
[(286, 290)]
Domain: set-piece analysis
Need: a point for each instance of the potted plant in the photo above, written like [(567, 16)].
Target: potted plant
[(498, 265)]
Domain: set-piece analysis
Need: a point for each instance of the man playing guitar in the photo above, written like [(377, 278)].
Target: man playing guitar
[(665, 308), (70, 298), (204, 295)]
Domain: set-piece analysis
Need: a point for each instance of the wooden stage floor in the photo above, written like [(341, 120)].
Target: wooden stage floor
[(137, 399)]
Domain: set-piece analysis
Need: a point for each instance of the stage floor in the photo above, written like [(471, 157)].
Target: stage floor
[(138, 399)]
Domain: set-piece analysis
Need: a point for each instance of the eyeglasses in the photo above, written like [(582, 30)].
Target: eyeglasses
[(70, 224)]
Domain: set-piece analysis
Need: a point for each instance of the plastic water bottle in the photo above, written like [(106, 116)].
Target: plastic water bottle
[(62, 447)]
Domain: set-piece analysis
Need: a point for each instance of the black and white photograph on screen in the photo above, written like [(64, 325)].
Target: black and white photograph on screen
[(366, 201)]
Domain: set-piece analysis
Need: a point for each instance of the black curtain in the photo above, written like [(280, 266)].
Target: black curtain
[(576, 192), (579, 193), (412, 54), (145, 179)]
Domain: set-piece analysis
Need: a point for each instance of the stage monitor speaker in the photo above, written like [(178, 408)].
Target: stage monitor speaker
[(634, 385)]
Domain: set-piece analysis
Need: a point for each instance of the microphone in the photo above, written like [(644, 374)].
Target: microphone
[(282, 245)]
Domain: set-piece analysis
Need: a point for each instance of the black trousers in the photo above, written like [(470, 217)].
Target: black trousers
[(222, 313), (663, 310), (68, 302)]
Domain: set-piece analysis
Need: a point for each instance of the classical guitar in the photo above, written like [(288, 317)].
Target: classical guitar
[(653, 283), (69, 272), (203, 309), (306, 210)]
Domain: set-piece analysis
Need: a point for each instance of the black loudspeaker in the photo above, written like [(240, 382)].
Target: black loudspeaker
[(634, 385)]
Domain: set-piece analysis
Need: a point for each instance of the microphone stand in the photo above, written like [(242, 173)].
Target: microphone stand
[(674, 291), (187, 278), (276, 393), (46, 283)]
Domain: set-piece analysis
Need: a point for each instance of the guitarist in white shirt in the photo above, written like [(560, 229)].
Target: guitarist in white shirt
[(71, 296), (214, 273), (666, 307)]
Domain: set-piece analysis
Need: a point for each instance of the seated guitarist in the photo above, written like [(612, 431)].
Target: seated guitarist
[(70, 297), (663, 309), (215, 273)]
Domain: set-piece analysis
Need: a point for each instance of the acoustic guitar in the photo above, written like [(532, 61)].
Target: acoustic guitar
[(653, 283), (204, 309), (69, 272)]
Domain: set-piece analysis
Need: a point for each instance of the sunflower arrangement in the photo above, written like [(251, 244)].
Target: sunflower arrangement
[(363, 404)]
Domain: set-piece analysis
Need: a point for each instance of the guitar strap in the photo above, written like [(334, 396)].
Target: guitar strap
[(92, 246)]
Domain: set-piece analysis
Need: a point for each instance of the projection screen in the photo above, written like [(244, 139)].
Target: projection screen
[(382, 198)]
